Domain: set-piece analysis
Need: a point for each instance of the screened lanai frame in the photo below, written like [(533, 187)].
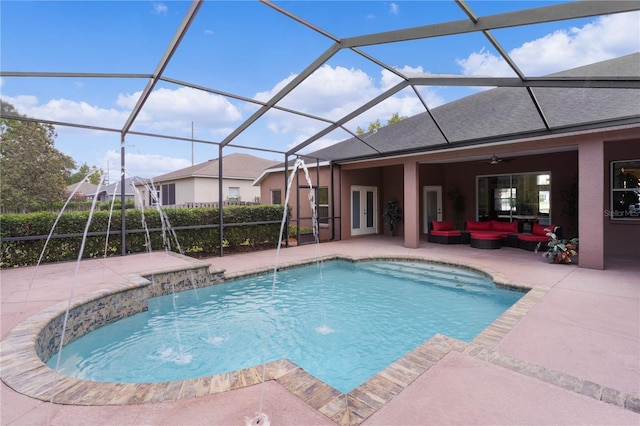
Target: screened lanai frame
[(474, 24)]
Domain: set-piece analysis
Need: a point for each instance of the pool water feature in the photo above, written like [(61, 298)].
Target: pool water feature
[(342, 325)]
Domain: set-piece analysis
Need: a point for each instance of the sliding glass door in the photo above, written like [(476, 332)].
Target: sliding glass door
[(524, 197)]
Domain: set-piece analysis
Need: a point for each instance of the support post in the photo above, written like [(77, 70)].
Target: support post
[(411, 215), (591, 206), (220, 212), (286, 209), (123, 226)]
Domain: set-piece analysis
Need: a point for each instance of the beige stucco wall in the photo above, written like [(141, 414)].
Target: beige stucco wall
[(184, 191), (205, 190)]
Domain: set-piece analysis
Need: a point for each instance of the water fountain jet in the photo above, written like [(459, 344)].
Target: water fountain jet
[(261, 418)]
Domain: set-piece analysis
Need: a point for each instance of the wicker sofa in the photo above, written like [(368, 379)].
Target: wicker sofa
[(443, 233), (507, 231), (538, 235)]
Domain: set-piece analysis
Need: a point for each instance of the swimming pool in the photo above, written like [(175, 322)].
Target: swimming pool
[(341, 321)]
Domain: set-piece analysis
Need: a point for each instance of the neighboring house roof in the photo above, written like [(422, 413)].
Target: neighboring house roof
[(310, 164), (85, 188), (504, 113), (116, 186), (234, 166)]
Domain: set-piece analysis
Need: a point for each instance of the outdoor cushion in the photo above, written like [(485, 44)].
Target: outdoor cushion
[(478, 226), (509, 227), (538, 229), (485, 236), (531, 237), (450, 233), (446, 225)]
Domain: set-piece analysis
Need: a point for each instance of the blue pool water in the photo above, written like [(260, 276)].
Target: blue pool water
[(341, 321)]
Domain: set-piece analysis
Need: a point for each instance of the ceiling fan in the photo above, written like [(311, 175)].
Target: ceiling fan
[(496, 160)]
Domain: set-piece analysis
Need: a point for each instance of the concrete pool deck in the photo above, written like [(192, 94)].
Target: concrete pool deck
[(572, 358)]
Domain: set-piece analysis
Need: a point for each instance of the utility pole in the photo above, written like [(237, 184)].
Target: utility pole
[(192, 143)]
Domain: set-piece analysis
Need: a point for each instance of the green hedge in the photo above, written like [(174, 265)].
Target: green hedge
[(200, 240), (70, 206)]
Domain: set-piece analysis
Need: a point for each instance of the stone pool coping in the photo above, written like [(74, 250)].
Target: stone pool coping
[(25, 372)]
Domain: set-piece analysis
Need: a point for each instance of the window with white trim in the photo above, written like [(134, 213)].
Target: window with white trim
[(625, 190), (322, 202), (234, 193), (276, 196), (154, 196)]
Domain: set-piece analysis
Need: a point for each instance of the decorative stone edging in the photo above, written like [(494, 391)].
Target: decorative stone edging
[(565, 381), (38, 337)]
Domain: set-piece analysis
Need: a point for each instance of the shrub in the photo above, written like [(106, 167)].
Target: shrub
[(188, 231)]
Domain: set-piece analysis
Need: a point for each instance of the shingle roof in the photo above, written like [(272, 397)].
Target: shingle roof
[(234, 166), (83, 188), (114, 188), (504, 113)]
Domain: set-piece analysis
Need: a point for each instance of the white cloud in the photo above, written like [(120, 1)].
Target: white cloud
[(327, 92), (604, 38), (176, 109), (484, 63), (141, 165), (66, 110), (394, 8), (164, 110), (335, 92), (389, 79), (160, 8)]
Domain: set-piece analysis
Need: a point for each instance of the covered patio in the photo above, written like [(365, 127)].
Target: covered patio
[(570, 357)]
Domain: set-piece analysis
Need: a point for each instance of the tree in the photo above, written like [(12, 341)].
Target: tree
[(395, 118), (375, 125), (32, 170), (94, 174), (6, 110)]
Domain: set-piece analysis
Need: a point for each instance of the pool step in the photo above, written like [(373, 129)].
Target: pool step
[(441, 271), (434, 275)]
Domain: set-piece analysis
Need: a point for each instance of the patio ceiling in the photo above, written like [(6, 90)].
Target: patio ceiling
[(487, 26)]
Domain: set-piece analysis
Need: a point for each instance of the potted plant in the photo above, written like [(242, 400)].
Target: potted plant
[(392, 214), (559, 251)]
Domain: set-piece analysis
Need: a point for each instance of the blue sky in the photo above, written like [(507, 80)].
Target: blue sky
[(251, 50)]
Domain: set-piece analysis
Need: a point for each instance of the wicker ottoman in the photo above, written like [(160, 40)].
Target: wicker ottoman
[(485, 241)]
